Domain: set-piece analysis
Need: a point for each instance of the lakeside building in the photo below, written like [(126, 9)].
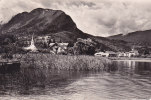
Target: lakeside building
[(123, 54), (106, 54), (132, 53), (103, 54)]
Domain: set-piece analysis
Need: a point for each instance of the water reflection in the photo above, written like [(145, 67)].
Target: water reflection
[(36, 81), (136, 67), (122, 80)]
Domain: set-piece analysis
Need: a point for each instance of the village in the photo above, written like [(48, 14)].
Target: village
[(54, 47), (132, 53), (62, 48)]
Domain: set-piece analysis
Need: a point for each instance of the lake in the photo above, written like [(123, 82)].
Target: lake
[(123, 80)]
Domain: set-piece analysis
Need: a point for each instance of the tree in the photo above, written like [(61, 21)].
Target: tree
[(144, 50), (7, 41), (84, 47)]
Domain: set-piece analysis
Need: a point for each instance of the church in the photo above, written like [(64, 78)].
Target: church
[(32, 47)]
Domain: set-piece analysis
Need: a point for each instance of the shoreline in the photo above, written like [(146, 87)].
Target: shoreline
[(130, 59)]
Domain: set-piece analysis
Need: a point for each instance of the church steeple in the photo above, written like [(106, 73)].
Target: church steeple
[(32, 40), (32, 46)]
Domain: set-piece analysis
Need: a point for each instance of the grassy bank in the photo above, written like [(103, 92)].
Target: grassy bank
[(62, 62)]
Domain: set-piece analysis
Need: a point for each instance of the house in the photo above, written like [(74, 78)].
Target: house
[(58, 48), (32, 47), (133, 53), (44, 39), (47, 40), (129, 54), (103, 54), (106, 54), (123, 54), (111, 54)]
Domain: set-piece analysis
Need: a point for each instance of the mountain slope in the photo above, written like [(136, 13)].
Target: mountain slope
[(40, 21), (0, 24), (55, 23), (140, 38)]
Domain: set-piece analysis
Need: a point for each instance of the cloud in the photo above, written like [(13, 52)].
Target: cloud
[(96, 17)]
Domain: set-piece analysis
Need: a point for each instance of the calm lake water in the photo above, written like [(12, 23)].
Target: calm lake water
[(124, 80)]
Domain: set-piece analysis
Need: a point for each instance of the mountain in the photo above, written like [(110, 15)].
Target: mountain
[(55, 23), (41, 22), (140, 38)]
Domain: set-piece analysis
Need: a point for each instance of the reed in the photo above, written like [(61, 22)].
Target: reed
[(63, 62)]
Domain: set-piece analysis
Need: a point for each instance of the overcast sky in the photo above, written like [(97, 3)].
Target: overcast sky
[(96, 17)]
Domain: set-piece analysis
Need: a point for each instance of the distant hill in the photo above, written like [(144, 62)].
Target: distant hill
[(55, 23), (140, 38)]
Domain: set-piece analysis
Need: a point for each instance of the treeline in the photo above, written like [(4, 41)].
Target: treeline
[(8, 44), (11, 44), (144, 50), (6, 39)]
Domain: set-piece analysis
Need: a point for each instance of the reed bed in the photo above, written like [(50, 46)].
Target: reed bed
[(63, 62)]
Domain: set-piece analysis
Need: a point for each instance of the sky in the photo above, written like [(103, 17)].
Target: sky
[(95, 17)]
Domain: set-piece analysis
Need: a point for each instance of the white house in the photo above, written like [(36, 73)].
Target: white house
[(128, 54), (106, 54), (103, 54), (123, 54), (133, 53)]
